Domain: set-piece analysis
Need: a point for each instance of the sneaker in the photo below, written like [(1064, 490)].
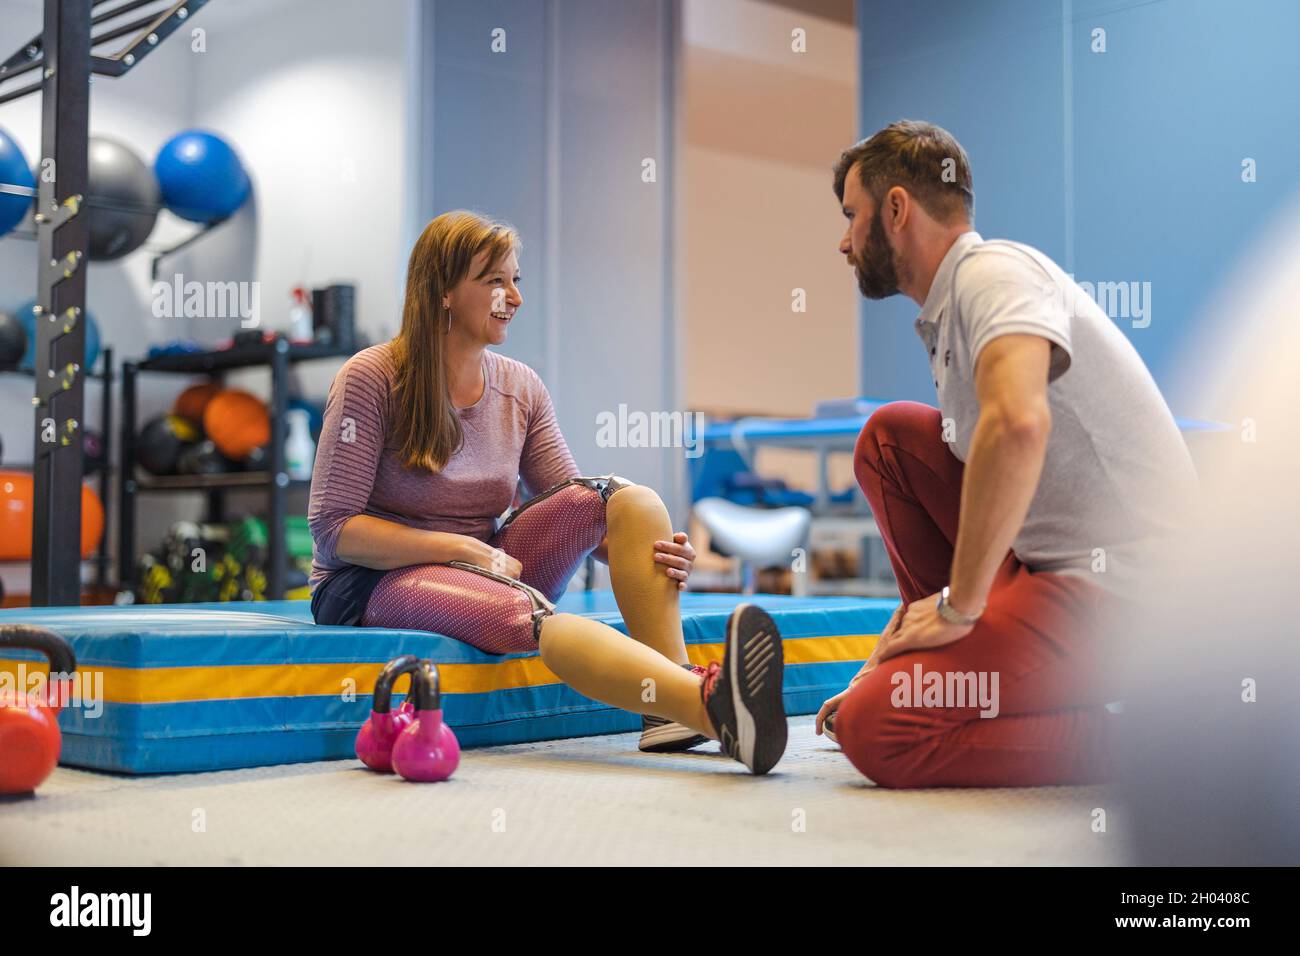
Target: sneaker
[(659, 735), (742, 695), (828, 728)]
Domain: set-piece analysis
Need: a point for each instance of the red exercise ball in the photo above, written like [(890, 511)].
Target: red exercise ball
[(191, 402)]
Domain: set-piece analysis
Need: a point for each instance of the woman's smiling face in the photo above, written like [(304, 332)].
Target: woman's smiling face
[(483, 303)]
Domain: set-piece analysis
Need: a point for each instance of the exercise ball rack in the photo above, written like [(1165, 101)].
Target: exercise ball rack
[(63, 59)]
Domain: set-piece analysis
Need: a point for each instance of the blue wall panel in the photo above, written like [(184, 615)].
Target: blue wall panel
[(1163, 119), (551, 135), (990, 74), (1124, 166)]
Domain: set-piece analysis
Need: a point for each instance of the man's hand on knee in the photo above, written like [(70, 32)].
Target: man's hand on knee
[(922, 628)]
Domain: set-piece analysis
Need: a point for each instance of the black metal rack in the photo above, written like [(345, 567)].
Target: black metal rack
[(279, 354), (101, 558), (59, 64)]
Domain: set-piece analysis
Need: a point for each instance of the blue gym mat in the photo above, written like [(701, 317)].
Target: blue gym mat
[(192, 687)]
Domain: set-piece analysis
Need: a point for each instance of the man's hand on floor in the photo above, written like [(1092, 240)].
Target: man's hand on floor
[(833, 704)]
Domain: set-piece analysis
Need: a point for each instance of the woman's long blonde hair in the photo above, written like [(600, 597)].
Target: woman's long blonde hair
[(427, 429)]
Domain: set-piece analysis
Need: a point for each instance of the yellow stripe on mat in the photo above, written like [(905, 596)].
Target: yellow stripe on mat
[(159, 685)]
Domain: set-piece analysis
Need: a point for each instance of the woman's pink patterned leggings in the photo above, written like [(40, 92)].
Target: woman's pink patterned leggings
[(550, 534)]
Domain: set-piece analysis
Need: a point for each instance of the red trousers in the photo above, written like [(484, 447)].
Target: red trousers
[(1037, 643)]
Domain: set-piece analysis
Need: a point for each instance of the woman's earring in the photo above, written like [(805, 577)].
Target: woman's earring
[(449, 320)]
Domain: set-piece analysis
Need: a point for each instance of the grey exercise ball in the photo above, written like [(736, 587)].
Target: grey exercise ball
[(123, 199)]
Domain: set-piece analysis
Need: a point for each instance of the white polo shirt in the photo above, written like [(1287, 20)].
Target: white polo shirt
[(1117, 473)]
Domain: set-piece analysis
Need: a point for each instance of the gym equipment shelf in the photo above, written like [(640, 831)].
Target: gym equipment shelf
[(59, 63), (239, 356), (237, 479), (278, 354)]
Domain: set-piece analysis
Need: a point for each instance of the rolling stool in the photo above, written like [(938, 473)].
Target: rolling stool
[(759, 537)]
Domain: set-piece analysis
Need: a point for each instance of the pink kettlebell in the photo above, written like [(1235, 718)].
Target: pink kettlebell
[(377, 734), (427, 750)]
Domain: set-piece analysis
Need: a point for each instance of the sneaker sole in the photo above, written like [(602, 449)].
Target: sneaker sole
[(755, 664), (669, 738)]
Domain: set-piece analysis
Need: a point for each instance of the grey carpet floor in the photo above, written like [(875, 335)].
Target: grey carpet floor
[(593, 800)]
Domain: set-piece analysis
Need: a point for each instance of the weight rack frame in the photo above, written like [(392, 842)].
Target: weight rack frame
[(63, 53)]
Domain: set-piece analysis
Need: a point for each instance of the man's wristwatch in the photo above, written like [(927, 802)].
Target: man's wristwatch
[(951, 614)]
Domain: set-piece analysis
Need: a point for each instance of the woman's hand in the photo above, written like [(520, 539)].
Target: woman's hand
[(678, 558), (483, 555)]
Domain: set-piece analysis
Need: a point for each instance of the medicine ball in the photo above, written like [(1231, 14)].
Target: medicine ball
[(122, 199), (258, 459), (161, 441), (201, 176), (202, 458), (27, 316), (191, 402), (14, 171), (92, 452), (13, 340)]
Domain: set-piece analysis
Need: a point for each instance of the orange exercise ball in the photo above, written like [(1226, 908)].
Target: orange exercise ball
[(237, 422), (16, 506)]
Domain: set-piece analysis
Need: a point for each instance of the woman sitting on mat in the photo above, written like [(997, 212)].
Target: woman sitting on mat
[(424, 440)]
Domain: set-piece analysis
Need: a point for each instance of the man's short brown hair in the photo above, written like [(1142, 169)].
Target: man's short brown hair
[(922, 158)]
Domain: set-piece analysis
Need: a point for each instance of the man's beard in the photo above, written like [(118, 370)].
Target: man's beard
[(877, 277)]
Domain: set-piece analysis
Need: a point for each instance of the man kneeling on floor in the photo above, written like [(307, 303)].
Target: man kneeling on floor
[(1019, 514)]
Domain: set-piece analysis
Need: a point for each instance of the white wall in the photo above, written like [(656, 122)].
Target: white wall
[(313, 94), (551, 134)]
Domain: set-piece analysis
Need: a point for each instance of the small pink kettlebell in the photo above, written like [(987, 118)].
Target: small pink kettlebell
[(377, 734), (427, 750)]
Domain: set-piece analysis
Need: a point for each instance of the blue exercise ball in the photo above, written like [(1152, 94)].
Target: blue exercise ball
[(13, 172), (27, 316), (201, 176)]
